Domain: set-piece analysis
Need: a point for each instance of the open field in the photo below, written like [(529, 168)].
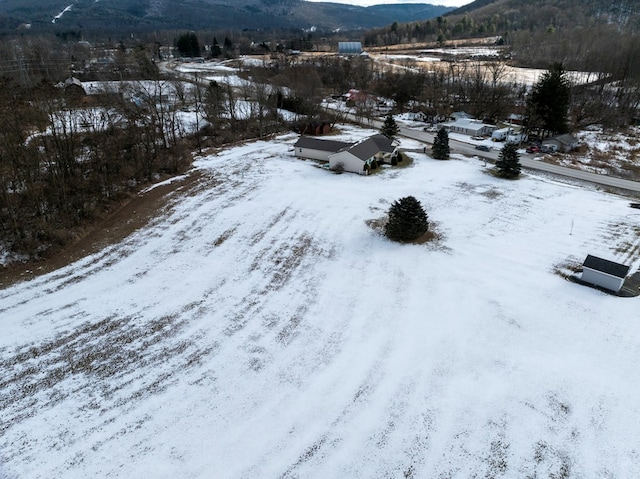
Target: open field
[(260, 328)]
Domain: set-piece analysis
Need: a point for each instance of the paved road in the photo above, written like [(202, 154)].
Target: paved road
[(526, 160)]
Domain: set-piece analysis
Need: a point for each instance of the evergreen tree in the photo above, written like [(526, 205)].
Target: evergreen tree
[(548, 104), (440, 150), (214, 104), (508, 163), (216, 51), (390, 128), (188, 45), (407, 220), (228, 47)]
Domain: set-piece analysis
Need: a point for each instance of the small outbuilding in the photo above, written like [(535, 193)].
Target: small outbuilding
[(604, 273), (73, 87)]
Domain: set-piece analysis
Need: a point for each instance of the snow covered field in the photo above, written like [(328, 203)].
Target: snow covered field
[(259, 328)]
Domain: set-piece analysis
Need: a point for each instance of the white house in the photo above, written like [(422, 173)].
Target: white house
[(604, 273), (317, 149), (562, 143), (469, 126), (357, 156)]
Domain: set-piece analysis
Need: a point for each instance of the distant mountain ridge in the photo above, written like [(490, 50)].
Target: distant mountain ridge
[(528, 15), (55, 15)]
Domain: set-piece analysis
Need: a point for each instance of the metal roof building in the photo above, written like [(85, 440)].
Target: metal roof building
[(349, 48)]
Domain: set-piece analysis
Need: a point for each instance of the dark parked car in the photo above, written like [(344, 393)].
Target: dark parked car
[(482, 148), (533, 149)]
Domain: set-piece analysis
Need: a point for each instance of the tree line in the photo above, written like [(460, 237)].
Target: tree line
[(66, 159)]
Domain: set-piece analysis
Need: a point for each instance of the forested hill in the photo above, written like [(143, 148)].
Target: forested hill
[(510, 15), (595, 35), (138, 15)]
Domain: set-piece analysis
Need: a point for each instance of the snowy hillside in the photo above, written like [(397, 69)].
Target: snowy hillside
[(260, 328)]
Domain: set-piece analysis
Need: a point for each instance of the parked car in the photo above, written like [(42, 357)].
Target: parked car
[(431, 129), (533, 149), (549, 148), (477, 138), (482, 148)]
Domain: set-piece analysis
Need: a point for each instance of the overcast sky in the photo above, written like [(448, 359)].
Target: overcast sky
[(366, 3)]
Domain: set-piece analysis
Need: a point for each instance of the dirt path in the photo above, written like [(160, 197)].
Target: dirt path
[(132, 215)]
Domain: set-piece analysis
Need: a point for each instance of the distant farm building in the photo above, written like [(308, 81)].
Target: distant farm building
[(73, 87), (515, 119), (349, 48), (461, 115), (604, 273), (468, 126)]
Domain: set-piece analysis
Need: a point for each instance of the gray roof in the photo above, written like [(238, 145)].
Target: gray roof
[(369, 147), (605, 266), (383, 143), (565, 139), (321, 145)]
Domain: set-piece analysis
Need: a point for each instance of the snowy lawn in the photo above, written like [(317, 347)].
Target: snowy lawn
[(259, 328)]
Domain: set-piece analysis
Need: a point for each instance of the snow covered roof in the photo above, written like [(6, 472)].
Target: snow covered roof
[(605, 266), (468, 124)]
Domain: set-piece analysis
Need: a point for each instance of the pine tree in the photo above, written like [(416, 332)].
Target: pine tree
[(390, 128), (440, 150), (188, 45), (508, 163), (548, 104), (407, 220)]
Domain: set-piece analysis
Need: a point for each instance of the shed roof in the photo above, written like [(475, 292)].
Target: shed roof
[(605, 266), (321, 145)]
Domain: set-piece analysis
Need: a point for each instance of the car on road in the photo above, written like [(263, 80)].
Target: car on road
[(482, 147), (533, 149), (430, 129)]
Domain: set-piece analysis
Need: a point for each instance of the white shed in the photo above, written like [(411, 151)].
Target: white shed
[(604, 273)]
